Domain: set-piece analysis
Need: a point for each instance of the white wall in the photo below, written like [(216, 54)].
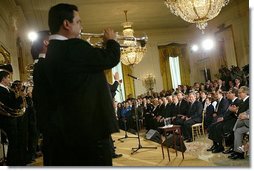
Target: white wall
[(237, 16)]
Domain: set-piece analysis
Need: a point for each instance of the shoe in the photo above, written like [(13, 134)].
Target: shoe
[(218, 149), (116, 155), (189, 140), (233, 153), (228, 151), (237, 156), (226, 135), (211, 148), (185, 138)]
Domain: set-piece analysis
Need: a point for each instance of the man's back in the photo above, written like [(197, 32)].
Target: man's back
[(75, 73)]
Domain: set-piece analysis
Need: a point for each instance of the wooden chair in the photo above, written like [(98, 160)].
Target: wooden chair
[(196, 128)]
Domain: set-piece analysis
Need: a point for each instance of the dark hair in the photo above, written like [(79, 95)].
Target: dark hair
[(6, 67), (37, 45), (3, 74), (59, 13), (234, 91)]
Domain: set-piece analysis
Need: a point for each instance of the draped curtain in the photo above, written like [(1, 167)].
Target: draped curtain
[(128, 82), (174, 50)]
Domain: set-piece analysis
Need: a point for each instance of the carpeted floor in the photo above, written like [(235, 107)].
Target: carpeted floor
[(195, 155)]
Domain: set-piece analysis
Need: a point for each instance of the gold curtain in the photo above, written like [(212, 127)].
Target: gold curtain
[(108, 74), (174, 50), (128, 82)]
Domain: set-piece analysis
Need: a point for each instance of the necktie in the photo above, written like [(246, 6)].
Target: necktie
[(217, 106)]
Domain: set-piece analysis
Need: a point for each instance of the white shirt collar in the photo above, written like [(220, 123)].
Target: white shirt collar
[(245, 98), (57, 37), (41, 55), (4, 86), (234, 99)]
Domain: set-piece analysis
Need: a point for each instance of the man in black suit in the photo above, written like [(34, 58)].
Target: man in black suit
[(224, 125), (79, 123), (113, 89), (7, 123), (220, 110), (194, 115), (40, 91)]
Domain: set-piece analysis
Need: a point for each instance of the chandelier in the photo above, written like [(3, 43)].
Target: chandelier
[(132, 52), (196, 11)]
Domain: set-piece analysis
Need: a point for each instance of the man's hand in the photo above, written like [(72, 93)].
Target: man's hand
[(220, 119), (116, 76), (108, 34), (233, 108)]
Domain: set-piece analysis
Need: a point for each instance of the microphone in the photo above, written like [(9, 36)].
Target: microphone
[(136, 78)]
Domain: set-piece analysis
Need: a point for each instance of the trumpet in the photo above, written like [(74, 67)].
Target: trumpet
[(142, 40)]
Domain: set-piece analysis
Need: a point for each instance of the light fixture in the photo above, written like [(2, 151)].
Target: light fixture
[(133, 52), (149, 81), (32, 36), (196, 11), (194, 48), (206, 45)]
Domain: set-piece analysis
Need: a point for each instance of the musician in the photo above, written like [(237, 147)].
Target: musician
[(78, 128), (39, 94), (8, 123), (113, 89)]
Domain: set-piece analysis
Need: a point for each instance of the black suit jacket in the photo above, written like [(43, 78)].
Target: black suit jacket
[(113, 88), (76, 82), (222, 108), (183, 108), (231, 115), (43, 101), (243, 106), (195, 111)]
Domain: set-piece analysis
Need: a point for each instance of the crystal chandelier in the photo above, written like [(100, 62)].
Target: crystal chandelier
[(132, 53), (196, 11)]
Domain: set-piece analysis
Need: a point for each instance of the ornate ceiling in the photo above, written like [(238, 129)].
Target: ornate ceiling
[(98, 14)]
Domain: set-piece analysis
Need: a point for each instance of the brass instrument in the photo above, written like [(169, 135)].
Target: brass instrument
[(29, 68), (7, 111), (141, 40)]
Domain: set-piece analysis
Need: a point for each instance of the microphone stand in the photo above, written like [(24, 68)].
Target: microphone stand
[(125, 126), (134, 150)]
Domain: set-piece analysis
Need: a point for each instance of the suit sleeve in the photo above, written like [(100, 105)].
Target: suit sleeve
[(95, 58), (113, 88)]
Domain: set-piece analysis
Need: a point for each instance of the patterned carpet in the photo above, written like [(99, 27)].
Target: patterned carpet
[(195, 155)]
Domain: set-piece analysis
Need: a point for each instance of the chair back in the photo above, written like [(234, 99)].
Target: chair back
[(203, 118)]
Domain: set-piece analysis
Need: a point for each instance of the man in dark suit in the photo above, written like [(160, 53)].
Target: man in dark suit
[(40, 91), (113, 89), (220, 110), (7, 123), (194, 115), (242, 124), (80, 107), (224, 125)]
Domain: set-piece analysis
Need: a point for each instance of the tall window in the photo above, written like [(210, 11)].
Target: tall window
[(120, 95), (175, 71)]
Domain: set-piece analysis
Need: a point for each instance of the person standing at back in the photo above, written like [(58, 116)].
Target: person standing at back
[(79, 101), (39, 93)]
